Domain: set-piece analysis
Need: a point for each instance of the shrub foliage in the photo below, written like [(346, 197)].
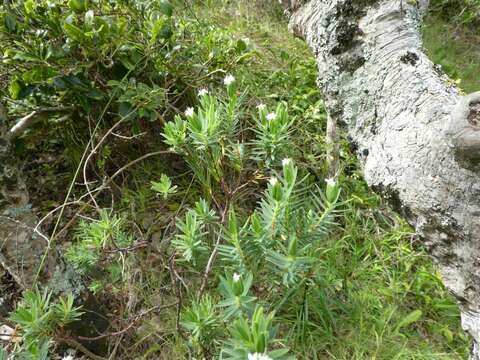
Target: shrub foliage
[(203, 222)]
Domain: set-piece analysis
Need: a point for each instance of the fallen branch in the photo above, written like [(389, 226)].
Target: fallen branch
[(77, 346)]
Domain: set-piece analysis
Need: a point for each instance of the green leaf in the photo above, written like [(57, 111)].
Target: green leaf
[(95, 94), (164, 186), (3, 354), (15, 88), (10, 23), (241, 46), (78, 5), (414, 316), (166, 31), (166, 8), (278, 353), (73, 32), (59, 84), (30, 7), (38, 73)]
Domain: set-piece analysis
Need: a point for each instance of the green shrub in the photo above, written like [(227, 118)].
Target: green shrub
[(462, 12), (40, 320), (229, 242)]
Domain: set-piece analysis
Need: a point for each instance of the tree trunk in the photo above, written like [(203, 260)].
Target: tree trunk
[(418, 139)]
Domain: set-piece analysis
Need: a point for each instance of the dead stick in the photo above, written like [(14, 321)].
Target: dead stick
[(332, 146), (212, 257)]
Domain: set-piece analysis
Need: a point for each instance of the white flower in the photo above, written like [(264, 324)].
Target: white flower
[(236, 277), (273, 181), (286, 161), (330, 182), (202, 92), (189, 112), (258, 356), (40, 33), (271, 116), (68, 357), (261, 106), (228, 79), (176, 48)]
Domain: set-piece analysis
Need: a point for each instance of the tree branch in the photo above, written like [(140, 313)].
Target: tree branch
[(30, 119)]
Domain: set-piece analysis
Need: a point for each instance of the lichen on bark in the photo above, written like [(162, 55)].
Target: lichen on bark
[(414, 143)]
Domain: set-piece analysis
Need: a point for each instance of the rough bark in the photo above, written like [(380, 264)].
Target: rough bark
[(418, 139)]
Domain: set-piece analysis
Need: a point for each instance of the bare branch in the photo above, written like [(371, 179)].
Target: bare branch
[(332, 147), (213, 255), (30, 119)]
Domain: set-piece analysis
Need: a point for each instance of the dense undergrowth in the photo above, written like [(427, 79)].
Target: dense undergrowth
[(209, 229)]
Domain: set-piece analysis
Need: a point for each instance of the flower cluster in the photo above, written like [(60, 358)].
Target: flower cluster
[(229, 79), (271, 116)]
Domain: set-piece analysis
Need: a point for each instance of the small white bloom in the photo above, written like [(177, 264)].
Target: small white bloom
[(271, 116), (273, 181), (68, 357), (202, 92), (189, 112), (228, 79), (261, 106), (330, 182), (258, 356), (236, 277), (176, 47), (286, 161), (40, 33)]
